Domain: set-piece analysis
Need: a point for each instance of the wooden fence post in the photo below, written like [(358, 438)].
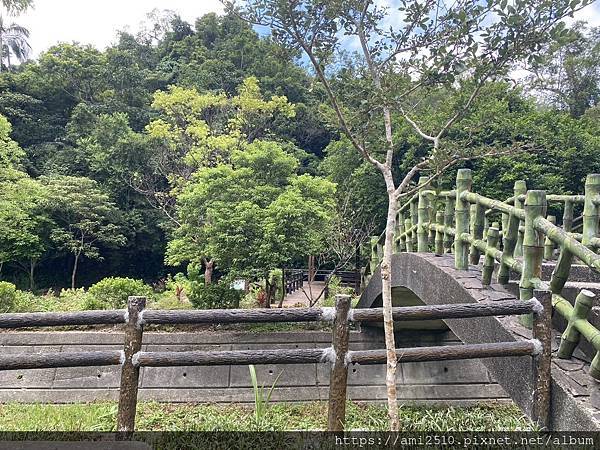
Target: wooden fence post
[(493, 235), (130, 373), (591, 211), (477, 228), (533, 247), (548, 244), (448, 223), (409, 236), (461, 212), (439, 234), (519, 189), (339, 371), (422, 219), (542, 369)]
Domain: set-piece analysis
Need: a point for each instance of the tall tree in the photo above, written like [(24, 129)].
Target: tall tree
[(428, 46), (85, 217), (568, 73), (13, 37)]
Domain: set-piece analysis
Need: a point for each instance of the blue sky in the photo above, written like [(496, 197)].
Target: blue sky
[(96, 22)]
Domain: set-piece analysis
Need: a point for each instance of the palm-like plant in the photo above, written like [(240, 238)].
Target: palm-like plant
[(13, 37)]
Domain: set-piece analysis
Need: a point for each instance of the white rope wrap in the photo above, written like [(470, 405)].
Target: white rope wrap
[(538, 308), (328, 355), (538, 348), (351, 315), (122, 357), (328, 314), (140, 322), (126, 316)]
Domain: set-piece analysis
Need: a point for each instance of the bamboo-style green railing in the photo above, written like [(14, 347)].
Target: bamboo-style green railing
[(516, 235)]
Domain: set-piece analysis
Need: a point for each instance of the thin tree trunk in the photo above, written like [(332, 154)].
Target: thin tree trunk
[(388, 321), (32, 264), (209, 266), (74, 273)]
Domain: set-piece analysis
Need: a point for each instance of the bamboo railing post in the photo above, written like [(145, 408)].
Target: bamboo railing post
[(448, 222), (533, 247), (591, 211), (509, 241), (409, 235), (414, 214), (488, 264), (570, 338), (439, 235), (520, 189), (548, 244), (542, 369), (432, 219), (422, 219), (477, 228), (339, 372), (130, 373), (568, 216), (400, 239), (464, 181)]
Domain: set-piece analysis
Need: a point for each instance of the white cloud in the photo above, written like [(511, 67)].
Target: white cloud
[(96, 22)]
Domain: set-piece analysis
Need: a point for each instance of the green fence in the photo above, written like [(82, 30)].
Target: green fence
[(515, 235)]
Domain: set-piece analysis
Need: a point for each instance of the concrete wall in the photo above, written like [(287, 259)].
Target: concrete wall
[(452, 382)]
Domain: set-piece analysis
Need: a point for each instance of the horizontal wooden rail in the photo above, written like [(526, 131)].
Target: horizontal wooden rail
[(236, 357), (448, 352), (561, 237), (62, 359), (168, 317), (59, 319), (456, 311), (496, 205)]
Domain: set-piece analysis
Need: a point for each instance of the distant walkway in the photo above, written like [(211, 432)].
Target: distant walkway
[(299, 299)]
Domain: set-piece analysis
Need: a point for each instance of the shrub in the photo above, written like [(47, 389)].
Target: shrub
[(72, 300), (112, 293), (8, 296), (214, 296), (168, 300)]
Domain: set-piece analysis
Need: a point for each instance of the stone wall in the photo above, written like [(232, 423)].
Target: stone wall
[(452, 382)]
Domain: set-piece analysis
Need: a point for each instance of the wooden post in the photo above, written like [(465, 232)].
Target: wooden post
[(461, 248), (533, 248), (339, 371), (488, 264), (542, 362), (477, 226), (439, 235), (448, 223), (548, 244), (520, 189), (401, 239), (422, 219), (591, 211), (570, 337), (130, 373), (409, 236), (568, 216)]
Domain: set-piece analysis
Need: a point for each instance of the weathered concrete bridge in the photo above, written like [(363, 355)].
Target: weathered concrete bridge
[(448, 249)]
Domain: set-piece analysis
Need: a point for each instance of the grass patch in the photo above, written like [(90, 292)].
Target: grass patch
[(152, 416)]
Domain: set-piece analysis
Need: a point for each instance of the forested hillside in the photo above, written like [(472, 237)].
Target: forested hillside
[(113, 159)]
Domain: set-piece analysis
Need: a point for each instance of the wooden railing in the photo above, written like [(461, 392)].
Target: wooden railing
[(516, 235), (294, 280), (339, 356)]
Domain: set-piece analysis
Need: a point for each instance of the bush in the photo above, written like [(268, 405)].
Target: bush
[(112, 293), (72, 300), (8, 296), (214, 296)]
